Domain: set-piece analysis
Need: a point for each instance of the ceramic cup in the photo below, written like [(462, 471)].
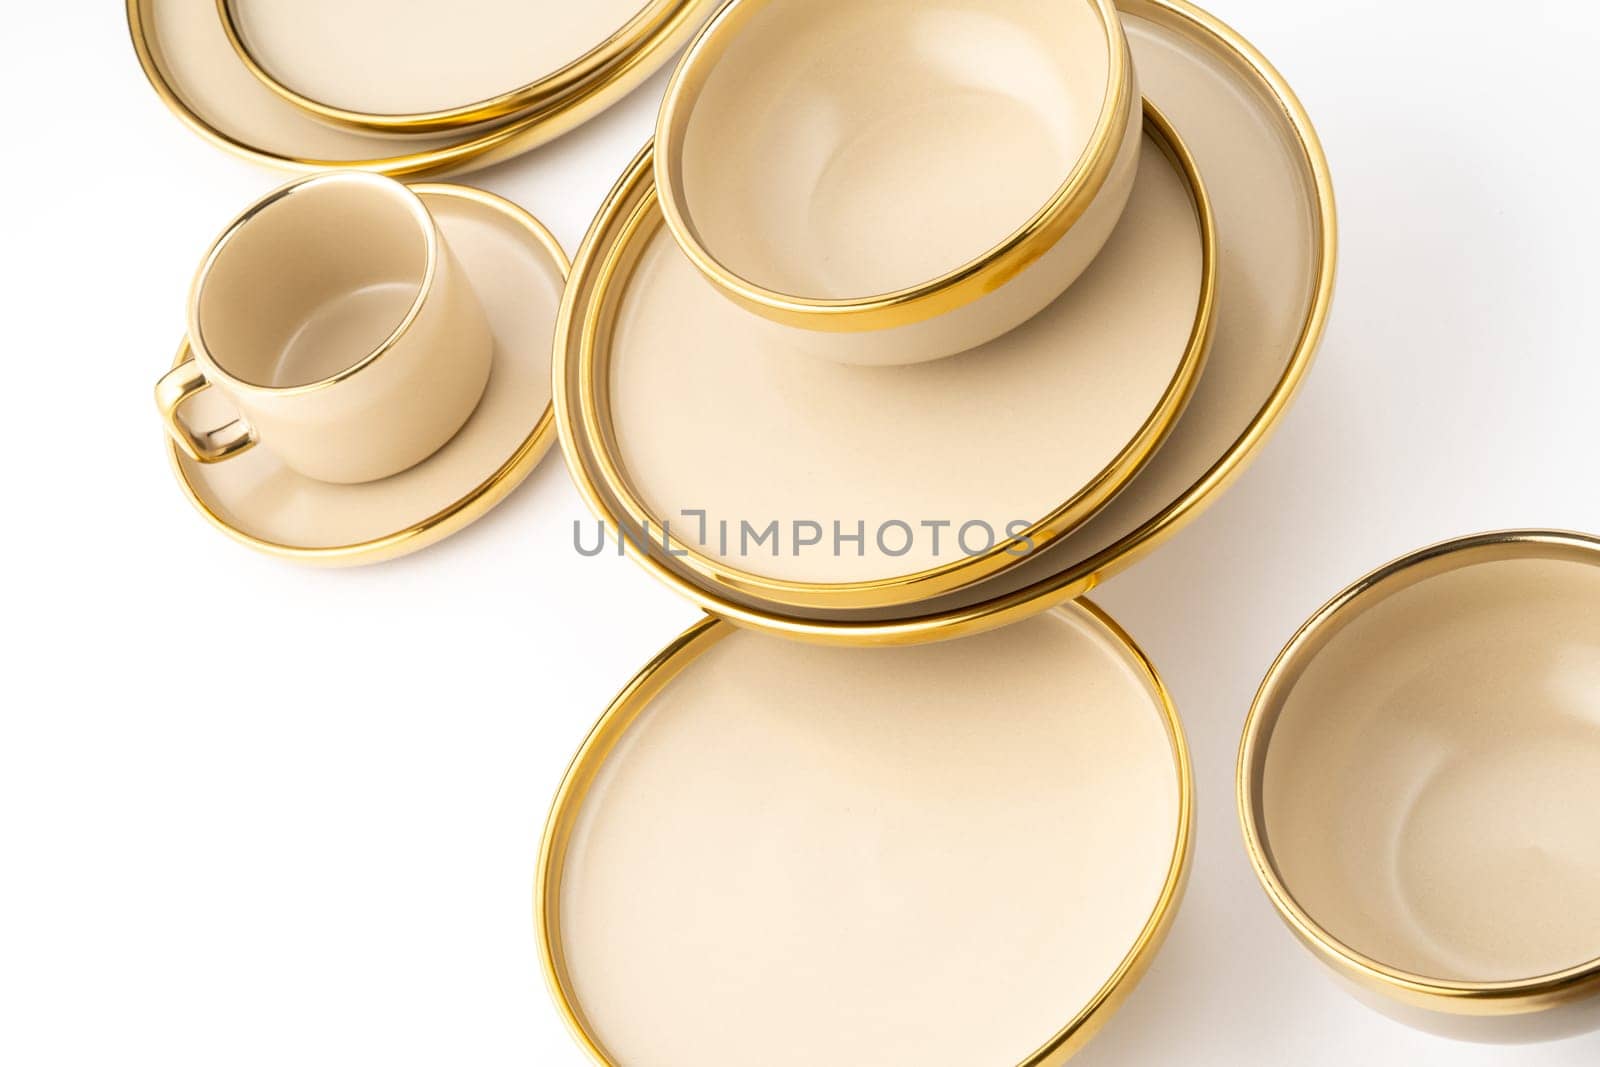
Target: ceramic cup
[(906, 179), (1417, 786), (334, 316)]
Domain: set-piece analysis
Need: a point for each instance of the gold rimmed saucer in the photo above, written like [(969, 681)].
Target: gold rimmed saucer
[(706, 426), (187, 59), (518, 271), (955, 854), (1270, 188), (408, 68)]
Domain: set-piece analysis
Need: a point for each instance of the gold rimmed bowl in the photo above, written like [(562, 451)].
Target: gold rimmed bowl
[(904, 180), (1417, 778)]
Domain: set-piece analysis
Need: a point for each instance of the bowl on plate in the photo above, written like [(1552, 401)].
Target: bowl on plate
[(906, 180)]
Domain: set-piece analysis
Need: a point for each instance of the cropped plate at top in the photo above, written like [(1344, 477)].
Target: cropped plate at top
[(679, 402), (1418, 774), (1268, 183), (387, 66), (185, 53), (768, 852), (517, 270)]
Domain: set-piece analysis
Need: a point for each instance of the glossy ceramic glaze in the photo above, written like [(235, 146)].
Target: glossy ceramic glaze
[(518, 270), (689, 404), (1418, 773), (337, 320), (379, 65), (913, 178), (770, 852), (1269, 186), (186, 56)]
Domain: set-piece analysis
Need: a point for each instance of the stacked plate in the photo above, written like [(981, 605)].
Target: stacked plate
[(395, 88), (865, 498)]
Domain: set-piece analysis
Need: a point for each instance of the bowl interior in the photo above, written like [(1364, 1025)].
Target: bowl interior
[(1427, 795), (841, 149)]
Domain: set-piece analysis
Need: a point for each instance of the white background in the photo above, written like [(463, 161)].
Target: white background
[(251, 813)]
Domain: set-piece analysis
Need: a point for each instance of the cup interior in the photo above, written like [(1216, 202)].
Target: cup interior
[(839, 149), (1427, 790), (315, 281)]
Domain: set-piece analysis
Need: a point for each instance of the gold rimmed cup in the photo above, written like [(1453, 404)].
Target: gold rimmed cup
[(904, 180), (387, 68), (340, 325), (1416, 785)]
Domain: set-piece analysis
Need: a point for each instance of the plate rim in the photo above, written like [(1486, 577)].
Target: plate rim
[(653, 19), (476, 148)]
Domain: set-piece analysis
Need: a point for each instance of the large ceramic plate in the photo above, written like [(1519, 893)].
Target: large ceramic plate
[(187, 58), (773, 853), (387, 66)]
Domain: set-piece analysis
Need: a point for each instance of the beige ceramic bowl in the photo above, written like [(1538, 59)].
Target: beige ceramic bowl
[(907, 178), (1418, 775)]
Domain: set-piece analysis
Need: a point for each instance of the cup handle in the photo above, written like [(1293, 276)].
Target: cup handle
[(177, 387)]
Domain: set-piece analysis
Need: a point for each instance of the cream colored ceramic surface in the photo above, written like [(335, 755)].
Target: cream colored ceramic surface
[(713, 412), (336, 317), (1430, 780), (384, 57), (931, 856), (193, 52), (841, 150), (257, 498), (1271, 246), (189, 61)]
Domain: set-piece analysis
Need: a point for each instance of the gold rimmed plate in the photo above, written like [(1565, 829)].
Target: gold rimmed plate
[(768, 852), (1269, 186), (824, 485), (186, 56), (424, 67), (518, 270)]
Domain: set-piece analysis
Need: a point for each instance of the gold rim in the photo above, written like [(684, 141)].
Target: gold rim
[(476, 149), (472, 505), (1085, 575), (1517, 997), (915, 303), (628, 218), (387, 187), (551, 89), (635, 698)]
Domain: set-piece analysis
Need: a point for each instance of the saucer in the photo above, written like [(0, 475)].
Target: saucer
[(383, 66), (185, 53), (1418, 772), (1269, 186), (684, 407), (768, 852), (518, 270)]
